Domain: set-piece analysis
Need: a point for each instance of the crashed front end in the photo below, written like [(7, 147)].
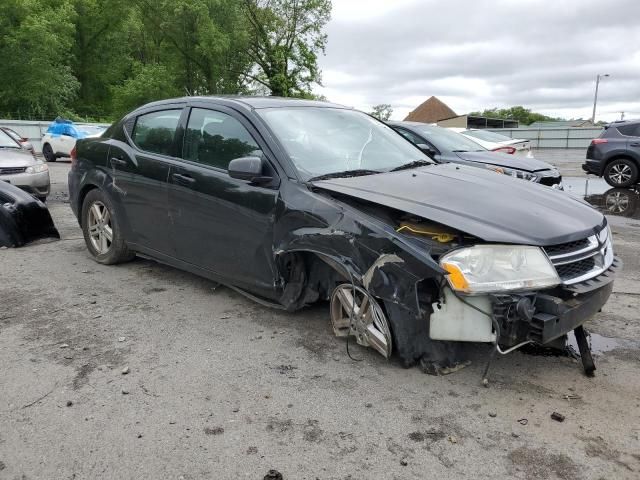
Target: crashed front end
[(547, 293)]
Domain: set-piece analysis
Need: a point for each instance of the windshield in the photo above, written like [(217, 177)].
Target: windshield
[(322, 141), (447, 140), (7, 142), (487, 135)]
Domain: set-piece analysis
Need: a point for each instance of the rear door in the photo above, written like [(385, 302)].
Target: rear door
[(218, 223), (632, 134), (140, 169)]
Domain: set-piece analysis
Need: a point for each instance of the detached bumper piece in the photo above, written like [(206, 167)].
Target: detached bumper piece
[(23, 219)]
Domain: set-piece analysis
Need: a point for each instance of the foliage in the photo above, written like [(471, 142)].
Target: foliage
[(285, 39), (36, 39), (382, 112), (100, 58), (524, 115)]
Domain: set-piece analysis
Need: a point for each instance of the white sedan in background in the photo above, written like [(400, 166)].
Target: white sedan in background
[(497, 142)]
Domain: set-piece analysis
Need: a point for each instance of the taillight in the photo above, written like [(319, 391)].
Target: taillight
[(598, 141), (73, 156), (509, 150)]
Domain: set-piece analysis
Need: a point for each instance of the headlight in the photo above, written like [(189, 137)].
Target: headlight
[(531, 177), (37, 168), (497, 268)]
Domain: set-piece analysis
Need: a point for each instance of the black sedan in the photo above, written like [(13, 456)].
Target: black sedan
[(446, 145), (291, 202)]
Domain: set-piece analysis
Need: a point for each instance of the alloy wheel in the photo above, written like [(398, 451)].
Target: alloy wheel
[(355, 312), (620, 173), (100, 228), (617, 202)]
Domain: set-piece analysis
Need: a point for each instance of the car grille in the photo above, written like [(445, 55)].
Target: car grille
[(12, 170), (582, 259)]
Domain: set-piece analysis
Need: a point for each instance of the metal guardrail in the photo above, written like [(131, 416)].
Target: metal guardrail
[(34, 130), (576, 137)]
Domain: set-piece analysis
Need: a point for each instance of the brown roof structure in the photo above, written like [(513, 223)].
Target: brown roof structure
[(431, 111)]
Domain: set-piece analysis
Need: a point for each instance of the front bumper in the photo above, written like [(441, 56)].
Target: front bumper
[(513, 318), (551, 314), (37, 184)]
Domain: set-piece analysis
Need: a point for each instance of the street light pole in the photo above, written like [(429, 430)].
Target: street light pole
[(595, 98)]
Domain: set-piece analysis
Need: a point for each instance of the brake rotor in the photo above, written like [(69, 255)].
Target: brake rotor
[(355, 312)]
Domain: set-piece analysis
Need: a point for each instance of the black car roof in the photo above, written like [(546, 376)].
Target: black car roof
[(251, 102)]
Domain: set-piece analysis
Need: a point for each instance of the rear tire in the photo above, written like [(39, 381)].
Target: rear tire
[(48, 154), (621, 173), (102, 231)]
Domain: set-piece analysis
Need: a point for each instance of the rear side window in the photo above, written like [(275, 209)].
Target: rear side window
[(630, 130), (215, 138), (155, 132)]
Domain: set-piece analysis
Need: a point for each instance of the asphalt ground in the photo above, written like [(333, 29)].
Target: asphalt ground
[(220, 387)]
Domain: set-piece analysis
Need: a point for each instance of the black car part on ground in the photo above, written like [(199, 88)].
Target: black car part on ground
[(23, 218), (291, 242)]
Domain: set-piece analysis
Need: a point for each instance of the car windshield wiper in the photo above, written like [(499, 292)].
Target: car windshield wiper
[(345, 173), (414, 164), (459, 151)]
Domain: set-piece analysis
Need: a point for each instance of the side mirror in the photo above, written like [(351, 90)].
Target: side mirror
[(426, 149), (248, 169)]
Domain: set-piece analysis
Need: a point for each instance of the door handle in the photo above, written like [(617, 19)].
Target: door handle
[(118, 161), (182, 179)]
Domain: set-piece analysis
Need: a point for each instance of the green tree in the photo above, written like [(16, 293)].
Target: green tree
[(524, 115), (382, 112), (35, 55), (148, 83), (100, 52), (285, 39)]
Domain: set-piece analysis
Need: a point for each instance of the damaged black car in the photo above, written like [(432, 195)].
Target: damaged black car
[(292, 202)]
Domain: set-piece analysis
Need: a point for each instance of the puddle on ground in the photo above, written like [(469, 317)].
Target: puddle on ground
[(598, 343), (619, 202)]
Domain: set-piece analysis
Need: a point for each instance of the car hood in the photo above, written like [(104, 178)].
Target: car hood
[(505, 160), (490, 206), (14, 157)]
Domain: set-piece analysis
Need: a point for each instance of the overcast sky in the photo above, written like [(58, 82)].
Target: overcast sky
[(543, 54)]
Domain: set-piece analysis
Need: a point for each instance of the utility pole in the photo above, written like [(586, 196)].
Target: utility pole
[(621, 116), (595, 98)]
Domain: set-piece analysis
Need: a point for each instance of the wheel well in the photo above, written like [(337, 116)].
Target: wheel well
[(620, 157), (81, 196)]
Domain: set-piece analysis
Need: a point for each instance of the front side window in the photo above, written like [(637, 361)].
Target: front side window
[(154, 132), (487, 136), (413, 138), (322, 141), (215, 138)]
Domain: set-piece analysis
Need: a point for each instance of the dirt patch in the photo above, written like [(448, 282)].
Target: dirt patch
[(213, 430), (598, 447), (312, 432), (82, 374), (537, 463)]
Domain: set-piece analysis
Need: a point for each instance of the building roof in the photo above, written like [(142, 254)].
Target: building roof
[(431, 111), (562, 124)]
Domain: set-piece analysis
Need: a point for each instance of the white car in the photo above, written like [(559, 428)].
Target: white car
[(61, 138), (497, 142)]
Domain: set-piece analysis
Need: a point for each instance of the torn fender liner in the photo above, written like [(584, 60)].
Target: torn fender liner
[(23, 219)]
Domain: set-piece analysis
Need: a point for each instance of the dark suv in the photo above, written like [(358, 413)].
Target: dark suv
[(615, 154)]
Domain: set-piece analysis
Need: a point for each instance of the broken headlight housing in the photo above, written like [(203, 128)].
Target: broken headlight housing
[(512, 172), (498, 268)]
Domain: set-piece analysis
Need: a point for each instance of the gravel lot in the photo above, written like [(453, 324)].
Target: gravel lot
[(220, 387)]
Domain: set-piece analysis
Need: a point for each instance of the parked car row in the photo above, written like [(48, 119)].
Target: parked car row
[(61, 136), (446, 145), (291, 202)]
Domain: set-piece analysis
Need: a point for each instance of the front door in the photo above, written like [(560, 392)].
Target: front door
[(219, 223)]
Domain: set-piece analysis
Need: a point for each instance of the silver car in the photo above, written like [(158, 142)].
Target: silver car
[(21, 168)]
